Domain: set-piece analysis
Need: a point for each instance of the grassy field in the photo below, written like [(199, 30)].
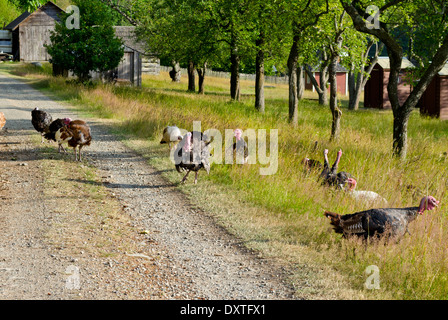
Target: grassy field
[(281, 215)]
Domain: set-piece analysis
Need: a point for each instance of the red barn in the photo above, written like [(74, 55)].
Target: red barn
[(434, 101), (341, 79), (375, 90)]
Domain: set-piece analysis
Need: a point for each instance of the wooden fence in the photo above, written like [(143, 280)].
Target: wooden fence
[(243, 76)]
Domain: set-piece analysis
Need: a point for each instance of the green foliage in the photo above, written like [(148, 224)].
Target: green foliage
[(92, 47), (30, 5), (8, 12)]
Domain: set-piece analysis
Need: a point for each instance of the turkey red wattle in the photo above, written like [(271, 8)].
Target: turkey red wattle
[(427, 203)]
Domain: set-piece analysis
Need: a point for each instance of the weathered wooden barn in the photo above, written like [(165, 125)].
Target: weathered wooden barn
[(434, 101), (135, 61), (129, 71), (341, 79), (30, 31), (375, 90)]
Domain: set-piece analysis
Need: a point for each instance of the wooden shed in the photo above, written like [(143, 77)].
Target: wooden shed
[(341, 79), (375, 90), (130, 68), (30, 31), (434, 101)]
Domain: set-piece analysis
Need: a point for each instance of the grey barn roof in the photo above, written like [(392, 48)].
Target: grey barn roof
[(129, 37), (339, 68), (444, 71), (385, 63)]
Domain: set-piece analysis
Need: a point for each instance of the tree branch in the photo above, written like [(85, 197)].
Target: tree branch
[(121, 10)]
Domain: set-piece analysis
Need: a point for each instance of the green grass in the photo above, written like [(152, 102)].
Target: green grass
[(281, 215)]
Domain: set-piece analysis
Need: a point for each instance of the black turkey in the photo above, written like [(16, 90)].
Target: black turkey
[(41, 121), (240, 148), (192, 154), (331, 176), (392, 222)]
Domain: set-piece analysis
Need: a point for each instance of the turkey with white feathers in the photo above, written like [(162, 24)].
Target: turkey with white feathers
[(171, 135), (363, 195)]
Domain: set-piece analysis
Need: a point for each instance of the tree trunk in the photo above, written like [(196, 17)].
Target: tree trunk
[(292, 72), (234, 73), (191, 77), (175, 72), (358, 80), (300, 82), (351, 81), (323, 83), (201, 76), (400, 135), (335, 111), (323, 80), (355, 89), (259, 75)]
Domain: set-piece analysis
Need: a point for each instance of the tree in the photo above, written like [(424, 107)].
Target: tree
[(8, 12), (322, 63), (92, 47), (272, 28), (404, 13), (303, 15), (335, 46), (232, 19), (360, 68), (30, 5)]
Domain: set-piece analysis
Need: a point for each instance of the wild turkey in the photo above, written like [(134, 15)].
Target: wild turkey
[(76, 135), (192, 154), (54, 127), (171, 135), (2, 120), (41, 121), (362, 195), (330, 176), (311, 164), (392, 222), (240, 148)]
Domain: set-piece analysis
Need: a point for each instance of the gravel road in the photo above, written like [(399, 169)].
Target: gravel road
[(196, 258)]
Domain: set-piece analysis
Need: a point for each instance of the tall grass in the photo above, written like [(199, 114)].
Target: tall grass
[(281, 214)]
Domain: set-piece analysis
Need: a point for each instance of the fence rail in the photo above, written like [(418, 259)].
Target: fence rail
[(243, 76)]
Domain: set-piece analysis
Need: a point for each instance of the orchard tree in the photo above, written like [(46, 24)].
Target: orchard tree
[(303, 15), (272, 29), (8, 12), (92, 47), (360, 66), (431, 17)]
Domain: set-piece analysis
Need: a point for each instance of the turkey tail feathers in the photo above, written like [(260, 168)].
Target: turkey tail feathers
[(335, 220), (334, 217)]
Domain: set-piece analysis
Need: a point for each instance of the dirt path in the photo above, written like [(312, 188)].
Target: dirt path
[(177, 251)]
